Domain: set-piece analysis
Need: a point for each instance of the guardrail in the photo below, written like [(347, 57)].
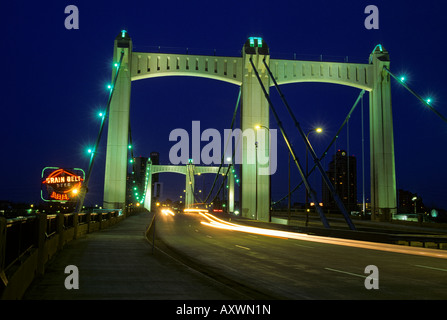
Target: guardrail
[(28, 243)]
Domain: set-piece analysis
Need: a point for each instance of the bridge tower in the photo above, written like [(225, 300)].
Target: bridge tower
[(118, 127), (255, 110), (383, 172)]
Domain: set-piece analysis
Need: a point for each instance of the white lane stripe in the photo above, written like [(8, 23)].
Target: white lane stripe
[(428, 267), (242, 247), (345, 272), (302, 245)]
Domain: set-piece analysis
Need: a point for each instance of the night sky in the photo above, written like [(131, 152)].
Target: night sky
[(54, 84)]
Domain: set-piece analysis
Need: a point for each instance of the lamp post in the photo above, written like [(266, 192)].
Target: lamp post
[(256, 181), (317, 130), (257, 127)]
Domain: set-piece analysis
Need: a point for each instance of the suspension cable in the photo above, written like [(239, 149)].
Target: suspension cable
[(84, 188), (426, 103), (313, 154), (292, 152), (223, 154), (360, 97)]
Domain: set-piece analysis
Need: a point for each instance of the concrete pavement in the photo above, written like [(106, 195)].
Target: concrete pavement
[(118, 263)]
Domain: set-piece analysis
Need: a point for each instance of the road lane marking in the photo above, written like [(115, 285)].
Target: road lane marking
[(428, 267), (302, 245), (345, 272), (242, 247)]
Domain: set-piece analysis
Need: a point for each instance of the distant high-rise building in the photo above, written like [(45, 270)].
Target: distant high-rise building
[(137, 179), (408, 202), (342, 172), (155, 159), (140, 172)]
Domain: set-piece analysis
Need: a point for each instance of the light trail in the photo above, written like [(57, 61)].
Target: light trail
[(215, 222), (167, 212)]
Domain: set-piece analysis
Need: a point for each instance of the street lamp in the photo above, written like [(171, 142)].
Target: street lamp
[(414, 199), (317, 130)]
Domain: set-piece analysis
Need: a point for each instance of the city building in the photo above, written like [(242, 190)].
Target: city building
[(342, 172), (155, 159), (408, 202), (136, 179)]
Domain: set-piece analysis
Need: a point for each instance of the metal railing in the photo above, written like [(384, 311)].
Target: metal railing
[(20, 237)]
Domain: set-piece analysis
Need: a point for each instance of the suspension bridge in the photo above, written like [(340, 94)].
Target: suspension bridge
[(255, 72)]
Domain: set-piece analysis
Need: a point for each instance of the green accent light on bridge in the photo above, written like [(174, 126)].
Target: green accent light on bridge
[(123, 33), (252, 41), (379, 46), (428, 100), (402, 79)]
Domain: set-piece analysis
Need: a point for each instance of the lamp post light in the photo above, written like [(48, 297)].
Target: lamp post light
[(317, 130), (414, 199)]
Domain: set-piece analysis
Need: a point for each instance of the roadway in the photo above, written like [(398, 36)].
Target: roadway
[(298, 266)]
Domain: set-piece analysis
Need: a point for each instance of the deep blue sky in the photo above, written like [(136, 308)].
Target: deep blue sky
[(54, 82)]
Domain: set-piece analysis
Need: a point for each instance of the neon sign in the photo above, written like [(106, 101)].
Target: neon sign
[(60, 184)]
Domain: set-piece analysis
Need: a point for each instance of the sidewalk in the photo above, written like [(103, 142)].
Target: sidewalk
[(117, 263)]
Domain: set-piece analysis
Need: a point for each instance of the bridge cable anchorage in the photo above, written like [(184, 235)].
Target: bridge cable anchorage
[(312, 152), (84, 187), (223, 155), (292, 152), (359, 98), (426, 103)]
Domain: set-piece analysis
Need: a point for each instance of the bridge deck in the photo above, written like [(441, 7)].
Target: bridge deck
[(117, 263)]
